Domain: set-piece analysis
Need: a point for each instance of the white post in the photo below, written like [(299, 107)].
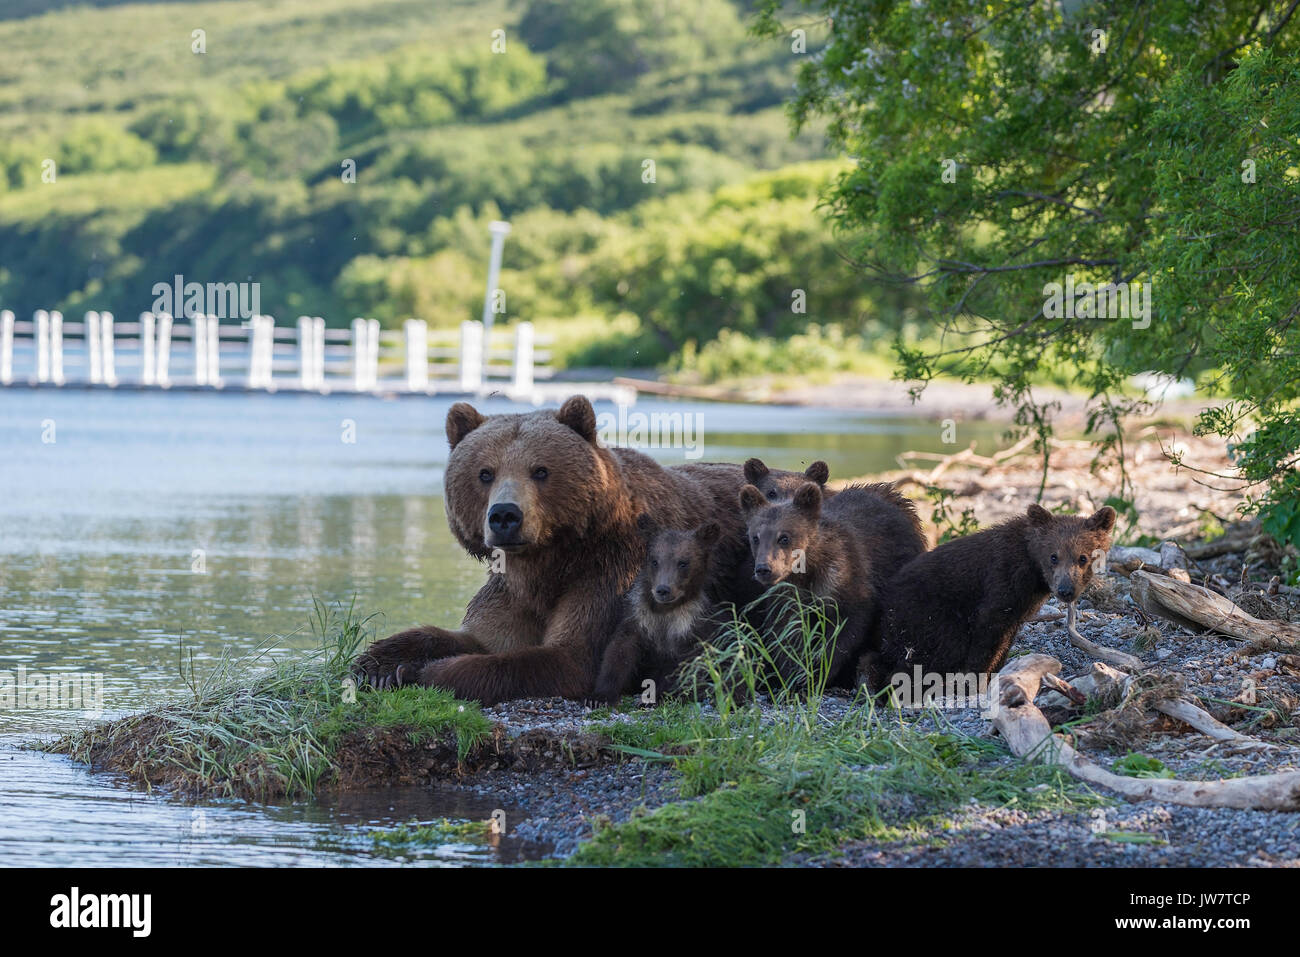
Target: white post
[(164, 349), (199, 340), (106, 359), (56, 347), (372, 354), (318, 353), (147, 374), (417, 355), (359, 353), (6, 347), (214, 352), (471, 356), (499, 230), (254, 351), (306, 360), (42, 345), (523, 367), (93, 340)]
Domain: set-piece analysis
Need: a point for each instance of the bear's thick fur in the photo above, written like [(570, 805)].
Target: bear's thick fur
[(671, 608), (559, 513), (956, 609), (840, 550)]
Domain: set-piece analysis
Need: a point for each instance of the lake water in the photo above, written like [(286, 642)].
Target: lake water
[(135, 525)]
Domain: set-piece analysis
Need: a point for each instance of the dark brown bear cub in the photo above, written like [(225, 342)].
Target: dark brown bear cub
[(778, 485), (670, 611), (956, 610), (840, 551)]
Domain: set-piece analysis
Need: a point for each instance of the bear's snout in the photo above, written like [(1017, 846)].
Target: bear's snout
[(663, 593), (1065, 590), (763, 573), (505, 519)]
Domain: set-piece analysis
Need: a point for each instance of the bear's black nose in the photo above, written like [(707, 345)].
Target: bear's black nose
[(1066, 592), (504, 518), (762, 572), (662, 592)]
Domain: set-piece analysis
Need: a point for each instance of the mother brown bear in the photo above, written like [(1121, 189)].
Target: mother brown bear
[(558, 512)]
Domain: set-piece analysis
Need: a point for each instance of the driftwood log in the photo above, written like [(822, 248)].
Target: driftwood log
[(1199, 609), (1120, 659), (1029, 736)]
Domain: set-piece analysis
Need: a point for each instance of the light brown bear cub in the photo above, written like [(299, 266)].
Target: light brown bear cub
[(670, 611), (956, 610), (840, 550)]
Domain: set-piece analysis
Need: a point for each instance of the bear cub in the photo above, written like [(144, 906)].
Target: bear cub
[(670, 611), (956, 609), (779, 485), (840, 550)]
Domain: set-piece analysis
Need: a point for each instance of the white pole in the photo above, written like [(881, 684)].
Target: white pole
[(199, 340), (471, 356), (164, 349), (6, 347), (254, 352), (417, 355), (523, 368), (499, 230), (306, 361), (93, 342), (214, 352), (372, 354), (42, 345), (56, 347), (358, 352), (106, 359), (318, 353), (147, 374)]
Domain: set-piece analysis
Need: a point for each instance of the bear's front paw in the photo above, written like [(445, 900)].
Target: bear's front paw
[(392, 662)]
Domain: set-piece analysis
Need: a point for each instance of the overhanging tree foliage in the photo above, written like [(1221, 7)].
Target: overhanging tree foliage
[(1000, 148)]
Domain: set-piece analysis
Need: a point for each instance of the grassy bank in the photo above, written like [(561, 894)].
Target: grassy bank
[(257, 727)]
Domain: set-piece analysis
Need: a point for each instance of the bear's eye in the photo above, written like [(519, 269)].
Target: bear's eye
[(1054, 559), (654, 563), (755, 541), (1083, 561), (540, 474), (485, 476), (683, 565), (772, 494), (783, 540)]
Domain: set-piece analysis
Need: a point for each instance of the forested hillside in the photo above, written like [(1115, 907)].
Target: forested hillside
[(639, 147)]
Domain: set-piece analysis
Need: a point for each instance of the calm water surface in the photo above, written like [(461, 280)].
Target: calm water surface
[(137, 525)]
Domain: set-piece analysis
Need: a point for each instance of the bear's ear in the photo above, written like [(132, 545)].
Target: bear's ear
[(818, 472), (462, 419), (755, 471), (1103, 520), (751, 499), (808, 498), (708, 533), (1039, 515), (578, 415)]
